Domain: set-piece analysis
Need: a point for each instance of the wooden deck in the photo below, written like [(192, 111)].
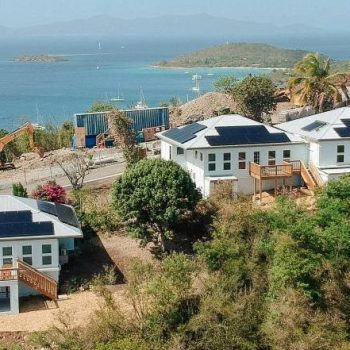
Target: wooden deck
[(31, 277), (281, 171), (271, 172)]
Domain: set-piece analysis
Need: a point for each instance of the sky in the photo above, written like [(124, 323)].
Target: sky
[(315, 13)]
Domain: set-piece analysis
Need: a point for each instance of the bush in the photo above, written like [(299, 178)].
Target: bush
[(19, 191), (51, 192), (152, 196)]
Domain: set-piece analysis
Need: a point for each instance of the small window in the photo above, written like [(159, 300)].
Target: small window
[(227, 157), (272, 157), (211, 166), (179, 150), (211, 157), (340, 158), (46, 248), (286, 155), (7, 261), (241, 160), (28, 260), (257, 157), (27, 250), (47, 260), (201, 156), (7, 251), (170, 153), (196, 154), (340, 148), (227, 166)]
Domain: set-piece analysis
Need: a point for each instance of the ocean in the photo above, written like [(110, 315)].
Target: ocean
[(53, 92)]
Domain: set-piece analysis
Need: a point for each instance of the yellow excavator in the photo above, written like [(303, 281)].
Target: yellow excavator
[(26, 128)]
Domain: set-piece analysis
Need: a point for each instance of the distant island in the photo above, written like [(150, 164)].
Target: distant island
[(40, 58), (239, 55)]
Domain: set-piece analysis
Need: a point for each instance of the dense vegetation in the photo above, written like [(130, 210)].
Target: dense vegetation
[(239, 55), (249, 55), (267, 279)]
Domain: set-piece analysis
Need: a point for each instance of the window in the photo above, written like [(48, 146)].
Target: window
[(241, 160), (257, 157), (196, 154), (211, 166), (46, 250), (227, 161), (211, 161), (272, 157), (340, 148), (340, 153), (179, 150), (169, 152), (27, 254), (7, 255), (47, 260), (201, 156), (286, 155), (211, 157)]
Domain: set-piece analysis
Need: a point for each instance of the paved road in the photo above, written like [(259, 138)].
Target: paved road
[(98, 176)]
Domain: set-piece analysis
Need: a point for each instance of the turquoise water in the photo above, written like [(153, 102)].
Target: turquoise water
[(53, 92)]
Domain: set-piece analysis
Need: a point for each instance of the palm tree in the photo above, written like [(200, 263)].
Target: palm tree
[(312, 83)]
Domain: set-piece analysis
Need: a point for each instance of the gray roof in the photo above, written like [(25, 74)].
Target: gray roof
[(323, 126), (226, 131), (63, 220)]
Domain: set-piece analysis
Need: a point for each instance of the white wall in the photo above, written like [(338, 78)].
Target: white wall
[(328, 153), (36, 252), (14, 301)]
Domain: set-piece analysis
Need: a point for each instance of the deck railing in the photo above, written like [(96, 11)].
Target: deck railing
[(270, 171), (31, 277)]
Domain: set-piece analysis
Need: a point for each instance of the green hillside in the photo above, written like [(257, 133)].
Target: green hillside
[(239, 55)]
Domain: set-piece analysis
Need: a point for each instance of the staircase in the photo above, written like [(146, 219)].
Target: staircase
[(308, 177), (36, 280)]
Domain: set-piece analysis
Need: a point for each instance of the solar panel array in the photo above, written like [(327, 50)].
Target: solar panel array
[(25, 229), (185, 133), (245, 135), (317, 124), (345, 131), (16, 216), (63, 212)]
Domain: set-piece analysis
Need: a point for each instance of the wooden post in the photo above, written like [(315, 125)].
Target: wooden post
[(260, 189)]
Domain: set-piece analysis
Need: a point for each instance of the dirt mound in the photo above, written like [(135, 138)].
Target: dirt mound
[(204, 107)]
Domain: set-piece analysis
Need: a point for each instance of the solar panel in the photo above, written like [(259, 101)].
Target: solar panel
[(67, 215), (317, 124), (16, 216), (344, 132), (185, 133), (47, 207), (24, 229), (245, 135)]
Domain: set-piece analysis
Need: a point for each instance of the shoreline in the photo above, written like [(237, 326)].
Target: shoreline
[(221, 67)]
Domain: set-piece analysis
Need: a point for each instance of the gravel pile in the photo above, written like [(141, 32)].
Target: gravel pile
[(204, 107)]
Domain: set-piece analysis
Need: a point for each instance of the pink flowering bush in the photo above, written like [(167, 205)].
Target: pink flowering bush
[(51, 192)]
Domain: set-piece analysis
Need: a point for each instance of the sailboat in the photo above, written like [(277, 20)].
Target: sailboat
[(117, 98), (99, 45), (142, 103)]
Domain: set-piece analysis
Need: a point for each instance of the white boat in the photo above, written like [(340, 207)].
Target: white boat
[(210, 74), (117, 98), (99, 45), (142, 103), (196, 77)]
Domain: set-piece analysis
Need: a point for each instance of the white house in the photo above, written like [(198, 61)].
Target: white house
[(328, 138), (36, 238), (252, 156)]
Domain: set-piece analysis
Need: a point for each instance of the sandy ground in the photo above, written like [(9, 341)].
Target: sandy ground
[(38, 315)]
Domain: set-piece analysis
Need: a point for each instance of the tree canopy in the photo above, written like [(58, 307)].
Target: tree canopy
[(255, 97), (312, 83), (225, 84), (152, 196)]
